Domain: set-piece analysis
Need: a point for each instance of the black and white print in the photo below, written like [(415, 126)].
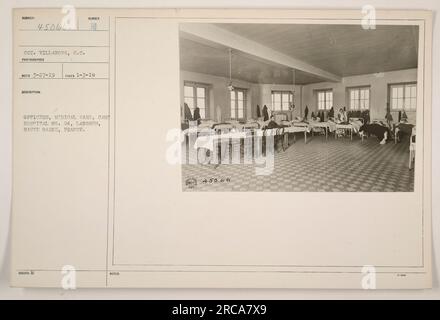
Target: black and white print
[(298, 107)]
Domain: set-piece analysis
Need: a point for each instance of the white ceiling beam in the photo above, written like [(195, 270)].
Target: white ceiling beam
[(214, 34)]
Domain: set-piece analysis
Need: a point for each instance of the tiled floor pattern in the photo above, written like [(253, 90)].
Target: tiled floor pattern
[(321, 165)]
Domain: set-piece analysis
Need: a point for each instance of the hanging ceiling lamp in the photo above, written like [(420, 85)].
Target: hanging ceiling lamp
[(293, 80), (292, 104), (230, 86)]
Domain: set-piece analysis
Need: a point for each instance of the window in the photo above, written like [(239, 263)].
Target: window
[(196, 95), (359, 98), (281, 100), (325, 99), (403, 96), (238, 103)]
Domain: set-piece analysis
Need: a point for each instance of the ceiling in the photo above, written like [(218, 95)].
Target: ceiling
[(344, 50), (202, 58)]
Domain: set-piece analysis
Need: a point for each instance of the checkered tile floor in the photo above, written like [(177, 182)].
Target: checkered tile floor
[(336, 165)]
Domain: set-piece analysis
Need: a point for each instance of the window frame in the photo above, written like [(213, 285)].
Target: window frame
[(234, 109), (324, 91), (195, 86), (281, 93), (359, 99), (403, 85)]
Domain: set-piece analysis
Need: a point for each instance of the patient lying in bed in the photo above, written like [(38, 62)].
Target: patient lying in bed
[(357, 124)]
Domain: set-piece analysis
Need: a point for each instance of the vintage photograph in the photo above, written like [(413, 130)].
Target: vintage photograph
[(298, 107), (221, 149)]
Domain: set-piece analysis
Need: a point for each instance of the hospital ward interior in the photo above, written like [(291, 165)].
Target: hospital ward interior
[(337, 104)]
